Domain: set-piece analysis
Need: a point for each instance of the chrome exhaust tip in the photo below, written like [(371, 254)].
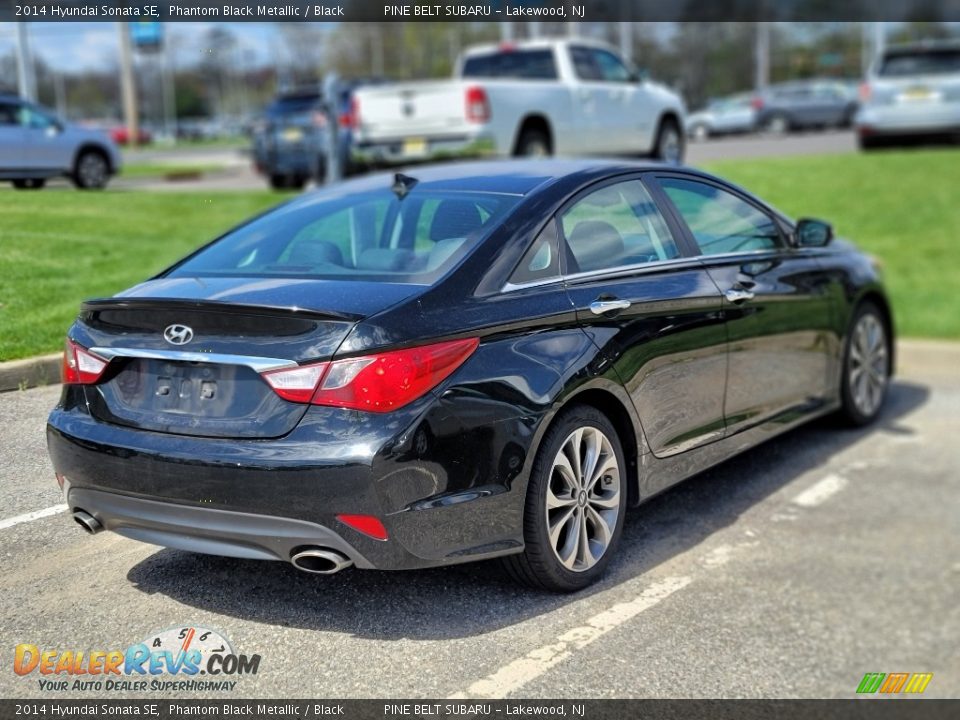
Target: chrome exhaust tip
[(320, 561), (87, 521)]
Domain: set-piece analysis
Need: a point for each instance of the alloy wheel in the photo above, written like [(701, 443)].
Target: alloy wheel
[(869, 364), (583, 499), (92, 171)]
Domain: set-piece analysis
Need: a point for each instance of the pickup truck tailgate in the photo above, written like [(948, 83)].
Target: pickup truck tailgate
[(411, 109)]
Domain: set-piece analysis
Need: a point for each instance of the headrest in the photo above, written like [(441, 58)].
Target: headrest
[(595, 244), (455, 219)]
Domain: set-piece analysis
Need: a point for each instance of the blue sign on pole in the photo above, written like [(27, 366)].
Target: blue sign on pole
[(146, 35)]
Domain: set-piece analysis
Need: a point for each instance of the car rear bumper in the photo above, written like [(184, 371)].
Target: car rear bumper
[(263, 498), (902, 119), (395, 151)]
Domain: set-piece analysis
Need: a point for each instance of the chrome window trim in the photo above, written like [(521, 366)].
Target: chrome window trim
[(257, 364)]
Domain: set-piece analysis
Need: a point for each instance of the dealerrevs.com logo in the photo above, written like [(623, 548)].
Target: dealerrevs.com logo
[(177, 659)]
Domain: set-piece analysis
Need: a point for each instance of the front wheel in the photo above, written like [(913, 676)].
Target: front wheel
[(866, 367), (669, 146), (575, 505)]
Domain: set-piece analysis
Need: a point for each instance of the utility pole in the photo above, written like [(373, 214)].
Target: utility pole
[(506, 31), (534, 28), (26, 82), (626, 37), (128, 87), (879, 38), (761, 57)]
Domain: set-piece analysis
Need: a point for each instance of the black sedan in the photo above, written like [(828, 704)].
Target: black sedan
[(472, 361)]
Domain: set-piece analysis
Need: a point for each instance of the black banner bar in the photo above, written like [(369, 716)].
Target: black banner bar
[(873, 708), (488, 10)]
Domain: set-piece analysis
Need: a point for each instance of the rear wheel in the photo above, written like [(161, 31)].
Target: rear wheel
[(91, 172), (699, 132), (777, 124), (279, 182), (669, 146), (533, 143), (866, 366), (575, 504), (29, 184)]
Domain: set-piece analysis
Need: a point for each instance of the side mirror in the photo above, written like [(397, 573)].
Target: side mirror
[(812, 233), (640, 75)]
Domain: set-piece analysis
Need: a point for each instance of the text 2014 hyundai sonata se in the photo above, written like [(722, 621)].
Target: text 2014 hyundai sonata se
[(483, 360)]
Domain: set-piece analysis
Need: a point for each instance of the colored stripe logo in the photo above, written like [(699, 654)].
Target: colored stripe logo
[(894, 683)]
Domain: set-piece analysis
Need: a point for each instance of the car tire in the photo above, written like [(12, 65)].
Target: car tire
[(699, 132), (868, 142), (29, 184), (279, 182), (571, 525), (533, 143), (669, 147), (91, 171), (777, 124), (866, 366)]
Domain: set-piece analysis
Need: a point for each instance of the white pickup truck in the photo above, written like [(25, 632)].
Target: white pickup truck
[(539, 97)]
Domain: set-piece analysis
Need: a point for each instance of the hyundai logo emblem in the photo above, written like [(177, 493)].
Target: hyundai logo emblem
[(178, 334)]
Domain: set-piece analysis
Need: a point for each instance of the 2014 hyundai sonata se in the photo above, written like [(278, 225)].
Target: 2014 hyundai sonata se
[(470, 361)]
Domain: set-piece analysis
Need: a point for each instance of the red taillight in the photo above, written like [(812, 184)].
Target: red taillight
[(351, 118), (81, 367), (386, 381), (757, 103), (477, 105), (374, 383), (865, 91), (367, 524), (296, 384)]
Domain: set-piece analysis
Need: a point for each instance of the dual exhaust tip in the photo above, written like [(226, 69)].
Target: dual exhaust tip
[(317, 560), (320, 561)]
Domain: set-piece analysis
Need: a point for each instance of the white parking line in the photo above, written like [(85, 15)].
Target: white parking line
[(820, 492), (515, 675), (29, 517)]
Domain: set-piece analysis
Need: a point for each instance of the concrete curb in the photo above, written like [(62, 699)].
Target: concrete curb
[(31, 372)]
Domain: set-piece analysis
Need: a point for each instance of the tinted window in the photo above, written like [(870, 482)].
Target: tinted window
[(611, 67), (616, 226), (541, 261), (367, 235), (519, 64), (929, 62), (35, 118), (292, 105), (720, 221), (9, 114), (584, 64)]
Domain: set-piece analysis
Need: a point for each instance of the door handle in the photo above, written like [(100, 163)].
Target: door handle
[(599, 307), (738, 295)]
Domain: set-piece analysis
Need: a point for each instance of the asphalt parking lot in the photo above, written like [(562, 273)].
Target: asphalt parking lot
[(788, 572)]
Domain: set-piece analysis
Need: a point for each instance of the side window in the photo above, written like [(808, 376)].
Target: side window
[(611, 67), (720, 221), (33, 118), (584, 65), (9, 114), (541, 261), (616, 226)]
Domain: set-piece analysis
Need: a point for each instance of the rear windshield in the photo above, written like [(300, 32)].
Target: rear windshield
[(519, 64), (356, 236), (921, 62), (293, 105)]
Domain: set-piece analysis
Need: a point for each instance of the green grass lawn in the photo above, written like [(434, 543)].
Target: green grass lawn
[(57, 248), (901, 206)]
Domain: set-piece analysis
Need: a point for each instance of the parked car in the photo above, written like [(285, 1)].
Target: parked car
[(480, 360), (723, 116), (290, 141), (805, 105), (36, 145), (534, 98), (911, 91), (120, 134)]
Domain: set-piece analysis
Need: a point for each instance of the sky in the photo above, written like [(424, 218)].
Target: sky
[(81, 46)]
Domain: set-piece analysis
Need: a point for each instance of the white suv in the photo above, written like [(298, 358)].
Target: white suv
[(36, 145)]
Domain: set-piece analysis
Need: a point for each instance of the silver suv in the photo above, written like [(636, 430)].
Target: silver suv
[(911, 91), (36, 145)]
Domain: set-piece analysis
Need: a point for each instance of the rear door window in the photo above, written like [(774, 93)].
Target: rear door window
[(615, 226)]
